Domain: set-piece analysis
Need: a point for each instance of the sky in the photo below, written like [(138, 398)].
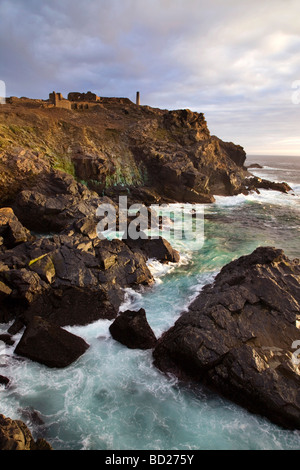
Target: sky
[(237, 61)]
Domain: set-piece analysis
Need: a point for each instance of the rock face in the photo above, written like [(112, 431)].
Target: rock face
[(12, 232), (54, 202), (15, 435), (192, 165), (133, 330), (49, 344), (238, 335), (20, 168)]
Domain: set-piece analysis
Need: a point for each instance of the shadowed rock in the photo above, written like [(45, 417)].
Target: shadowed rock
[(133, 330), (12, 231), (49, 344), (237, 336)]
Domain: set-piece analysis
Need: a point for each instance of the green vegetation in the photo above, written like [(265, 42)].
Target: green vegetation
[(63, 163)]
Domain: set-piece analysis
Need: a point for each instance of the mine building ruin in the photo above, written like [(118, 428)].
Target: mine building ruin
[(79, 101), (89, 96), (75, 100)]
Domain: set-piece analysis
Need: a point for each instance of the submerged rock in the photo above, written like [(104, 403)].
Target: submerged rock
[(133, 330), (254, 165), (238, 334)]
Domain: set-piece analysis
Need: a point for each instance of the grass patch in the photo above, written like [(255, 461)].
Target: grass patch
[(64, 164)]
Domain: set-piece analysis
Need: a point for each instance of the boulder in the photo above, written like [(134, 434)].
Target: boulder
[(4, 381), (15, 435), (49, 344), (238, 336), (158, 248), (133, 330), (11, 230)]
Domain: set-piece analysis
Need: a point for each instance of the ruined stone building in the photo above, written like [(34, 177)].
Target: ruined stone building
[(89, 96), (75, 100), (58, 101), (87, 100)]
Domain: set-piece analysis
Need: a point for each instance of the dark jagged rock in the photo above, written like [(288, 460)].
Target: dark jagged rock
[(59, 276), (158, 248), (20, 168), (235, 152), (255, 183), (55, 202), (133, 330), (15, 435), (254, 165), (49, 344), (237, 336), (7, 339), (4, 380), (12, 231)]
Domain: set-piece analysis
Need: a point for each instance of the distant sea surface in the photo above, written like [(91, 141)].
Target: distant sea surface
[(112, 397)]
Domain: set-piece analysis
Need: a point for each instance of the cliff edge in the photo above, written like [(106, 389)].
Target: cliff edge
[(157, 155)]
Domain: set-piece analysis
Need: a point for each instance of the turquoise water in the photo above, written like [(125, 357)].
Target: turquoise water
[(113, 397)]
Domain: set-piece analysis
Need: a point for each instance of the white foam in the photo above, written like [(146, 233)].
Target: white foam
[(266, 196), (91, 331), (132, 299)]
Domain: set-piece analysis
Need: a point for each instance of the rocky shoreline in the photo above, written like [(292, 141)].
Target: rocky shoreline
[(53, 264), (238, 336)]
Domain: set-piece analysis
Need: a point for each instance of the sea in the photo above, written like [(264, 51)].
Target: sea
[(112, 397)]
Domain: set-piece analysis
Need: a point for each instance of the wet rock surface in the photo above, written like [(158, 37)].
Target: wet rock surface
[(238, 335)]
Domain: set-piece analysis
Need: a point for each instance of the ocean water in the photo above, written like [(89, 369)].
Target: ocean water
[(114, 398)]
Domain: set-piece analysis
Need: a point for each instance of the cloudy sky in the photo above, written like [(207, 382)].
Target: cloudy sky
[(238, 61)]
